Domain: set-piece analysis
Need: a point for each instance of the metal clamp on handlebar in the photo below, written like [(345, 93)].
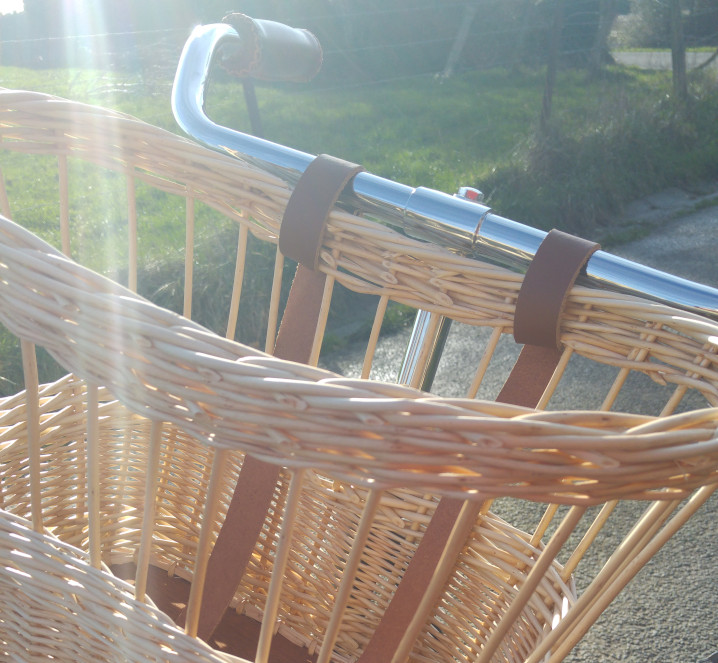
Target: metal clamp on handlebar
[(271, 51)]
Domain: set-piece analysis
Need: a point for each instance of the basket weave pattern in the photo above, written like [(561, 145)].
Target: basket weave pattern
[(137, 370)]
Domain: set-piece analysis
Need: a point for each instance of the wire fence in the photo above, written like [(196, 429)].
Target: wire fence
[(361, 47), (128, 48)]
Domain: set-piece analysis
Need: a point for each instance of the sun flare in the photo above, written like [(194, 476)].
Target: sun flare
[(11, 6)]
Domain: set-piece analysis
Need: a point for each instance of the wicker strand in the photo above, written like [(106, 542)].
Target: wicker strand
[(374, 336), (29, 360), (132, 233), (219, 464), (148, 513), (529, 584), (322, 318), (273, 317), (93, 477), (593, 531), (189, 257), (237, 282), (348, 576), (64, 204), (281, 556)]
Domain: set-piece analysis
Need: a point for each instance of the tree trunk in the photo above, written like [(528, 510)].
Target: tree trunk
[(678, 54), (457, 47), (552, 65), (608, 11), (527, 19)]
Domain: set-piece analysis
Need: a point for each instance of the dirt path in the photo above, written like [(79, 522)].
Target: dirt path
[(660, 59)]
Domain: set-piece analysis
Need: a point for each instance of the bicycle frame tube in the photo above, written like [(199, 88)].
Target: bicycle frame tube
[(465, 226)]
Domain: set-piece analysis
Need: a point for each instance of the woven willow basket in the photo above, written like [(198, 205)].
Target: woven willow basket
[(117, 470)]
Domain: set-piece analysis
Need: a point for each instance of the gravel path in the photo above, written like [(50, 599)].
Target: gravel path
[(668, 613), (660, 59)]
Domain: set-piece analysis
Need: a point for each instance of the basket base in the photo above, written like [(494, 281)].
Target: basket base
[(236, 634)]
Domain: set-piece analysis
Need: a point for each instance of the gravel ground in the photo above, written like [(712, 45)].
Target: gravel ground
[(660, 59), (668, 612)]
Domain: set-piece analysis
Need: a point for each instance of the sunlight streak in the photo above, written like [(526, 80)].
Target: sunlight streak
[(11, 6)]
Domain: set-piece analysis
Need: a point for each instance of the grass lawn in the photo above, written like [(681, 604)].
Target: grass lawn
[(478, 128), (421, 131)]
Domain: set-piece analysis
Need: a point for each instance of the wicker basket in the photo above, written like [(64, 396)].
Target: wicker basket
[(127, 464)]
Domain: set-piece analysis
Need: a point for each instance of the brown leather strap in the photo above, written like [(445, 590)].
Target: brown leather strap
[(257, 480), (550, 281), (299, 322), (539, 310), (530, 376), (305, 218), (546, 286), (236, 540), (412, 588), (271, 51)]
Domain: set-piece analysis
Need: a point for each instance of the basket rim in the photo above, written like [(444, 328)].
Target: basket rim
[(228, 395)]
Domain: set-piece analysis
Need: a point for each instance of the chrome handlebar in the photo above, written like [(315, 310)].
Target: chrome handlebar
[(470, 228)]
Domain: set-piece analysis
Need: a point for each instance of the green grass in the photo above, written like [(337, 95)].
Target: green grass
[(610, 140), (423, 132), (426, 131), (594, 159)]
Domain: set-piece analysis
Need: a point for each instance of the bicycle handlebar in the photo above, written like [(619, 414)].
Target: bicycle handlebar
[(457, 224)]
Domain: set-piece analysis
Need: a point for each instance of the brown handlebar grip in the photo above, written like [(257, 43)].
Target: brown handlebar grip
[(272, 51)]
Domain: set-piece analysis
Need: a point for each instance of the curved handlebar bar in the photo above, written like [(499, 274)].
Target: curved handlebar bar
[(458, 224)]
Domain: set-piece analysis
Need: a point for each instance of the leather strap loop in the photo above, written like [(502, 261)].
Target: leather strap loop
[(302, 229), (545, 289)]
